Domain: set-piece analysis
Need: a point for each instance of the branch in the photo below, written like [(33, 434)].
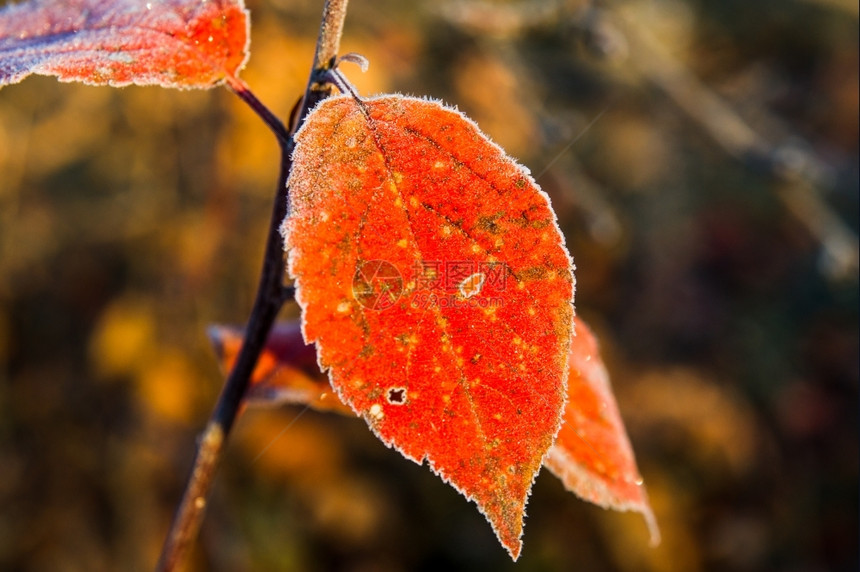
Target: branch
[(271, 296), (799, 175), (241, 89), (328, 44)]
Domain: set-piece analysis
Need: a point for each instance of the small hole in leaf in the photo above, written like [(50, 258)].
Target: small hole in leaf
[(472, 285), (397, 396)]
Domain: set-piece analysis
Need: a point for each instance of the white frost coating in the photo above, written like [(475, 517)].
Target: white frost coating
[(120, 57), (285, 231), (583, 483)]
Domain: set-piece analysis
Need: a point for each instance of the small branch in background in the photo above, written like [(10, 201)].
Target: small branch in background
[(271, 296), (838, 242), (577, 189), (848, 7), (798, 173), (500, 20)]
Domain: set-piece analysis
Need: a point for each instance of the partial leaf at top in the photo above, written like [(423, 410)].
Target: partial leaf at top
[(434, 280), (171, 43)]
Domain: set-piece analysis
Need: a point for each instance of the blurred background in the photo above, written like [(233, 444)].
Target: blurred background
[(702, 157)]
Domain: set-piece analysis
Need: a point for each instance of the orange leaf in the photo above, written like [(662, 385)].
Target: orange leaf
[(171, 43), (592, 454), (286, 371), (435, 282)]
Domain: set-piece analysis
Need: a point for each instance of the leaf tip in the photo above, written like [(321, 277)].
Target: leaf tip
[(654, 536)]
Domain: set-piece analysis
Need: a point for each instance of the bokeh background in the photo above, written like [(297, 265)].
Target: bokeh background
[(703, 160)]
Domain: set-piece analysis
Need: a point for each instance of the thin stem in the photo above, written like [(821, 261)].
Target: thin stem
[(271, 296), (319, 85), (328, 43), (190, 512), (241, 89)]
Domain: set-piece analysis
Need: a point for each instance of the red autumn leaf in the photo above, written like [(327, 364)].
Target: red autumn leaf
[(435, 282), (286, 370), (592, 454), (172, 43)]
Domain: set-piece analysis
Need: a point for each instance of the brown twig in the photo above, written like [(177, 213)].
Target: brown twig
[(319, 87), (331, 30), (271, 296)]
